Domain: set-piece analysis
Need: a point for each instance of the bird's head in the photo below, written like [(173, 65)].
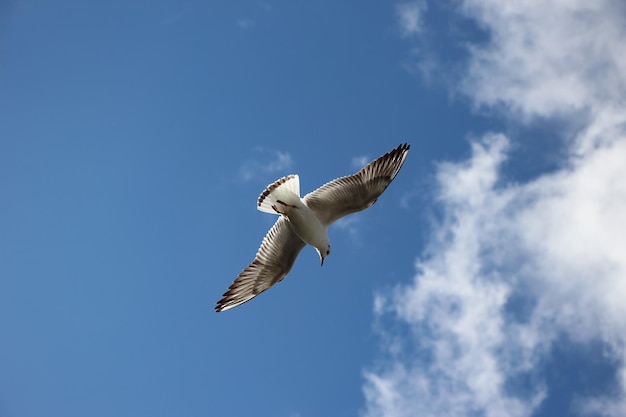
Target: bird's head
[(323, 252)]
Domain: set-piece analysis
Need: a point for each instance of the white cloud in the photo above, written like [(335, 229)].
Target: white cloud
[(281, 162), (266, 161), (350, 225), (547, 58), (556, 242), (245, 23), (410, 17), (359, 162), (454, 310), (175, 17)]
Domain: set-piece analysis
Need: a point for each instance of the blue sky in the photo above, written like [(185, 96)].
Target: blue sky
[(488, 280)]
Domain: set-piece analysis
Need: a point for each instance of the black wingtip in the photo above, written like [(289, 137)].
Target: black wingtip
[(400, 151)]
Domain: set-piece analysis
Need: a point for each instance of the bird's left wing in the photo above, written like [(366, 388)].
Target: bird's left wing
[(357, 192), (272, 263)]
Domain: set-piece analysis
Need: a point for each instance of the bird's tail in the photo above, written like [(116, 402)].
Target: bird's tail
[(282, 191)]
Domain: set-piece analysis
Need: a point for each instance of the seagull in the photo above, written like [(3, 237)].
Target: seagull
[(305, 221)]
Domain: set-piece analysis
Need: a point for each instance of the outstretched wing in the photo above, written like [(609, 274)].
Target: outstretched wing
[(357, 192), (272, 263)]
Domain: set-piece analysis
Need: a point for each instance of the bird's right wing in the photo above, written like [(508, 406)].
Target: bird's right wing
[(272, 263), (346, 195)]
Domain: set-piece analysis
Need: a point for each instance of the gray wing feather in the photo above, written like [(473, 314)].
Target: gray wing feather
[(272, 263), (347, 195)]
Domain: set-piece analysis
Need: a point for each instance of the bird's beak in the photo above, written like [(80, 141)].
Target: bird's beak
[(322, 257)]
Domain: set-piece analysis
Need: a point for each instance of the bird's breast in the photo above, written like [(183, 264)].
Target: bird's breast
[(307, 226)]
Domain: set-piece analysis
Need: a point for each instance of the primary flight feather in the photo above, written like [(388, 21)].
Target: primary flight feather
[(305, 221)]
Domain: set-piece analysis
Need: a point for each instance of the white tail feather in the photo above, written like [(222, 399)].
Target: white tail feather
[(285, 189)]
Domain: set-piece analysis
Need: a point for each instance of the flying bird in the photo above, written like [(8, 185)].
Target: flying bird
[(305, 221)]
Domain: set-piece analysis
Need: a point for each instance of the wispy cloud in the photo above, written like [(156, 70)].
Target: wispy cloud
[(265, 161), (174, 18), (511, 267), (410, 17), (359, 162), (349, 224), (255, 16), (547, 59), (454, 311), (245, 23)]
